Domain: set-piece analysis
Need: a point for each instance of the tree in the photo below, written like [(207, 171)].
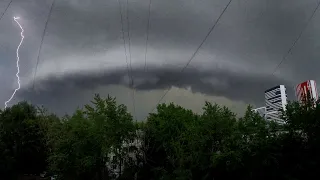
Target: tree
[(82, 146), (259, 146), (184, 145), (166, 142), (301, 142), (215, 141), (22, 141), (177, 143), (215, 145)]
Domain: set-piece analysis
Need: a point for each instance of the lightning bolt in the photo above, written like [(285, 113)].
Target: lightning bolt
[(18, 59)]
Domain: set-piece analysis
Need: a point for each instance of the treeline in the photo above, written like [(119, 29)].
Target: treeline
[(102, 141)]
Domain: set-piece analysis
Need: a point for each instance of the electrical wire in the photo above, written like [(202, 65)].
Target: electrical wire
[(197, 50), (147, 39), (124, 40), (41, 43), (129, 38), (125, 49), (296, 40), (5, 10), (132, 82)]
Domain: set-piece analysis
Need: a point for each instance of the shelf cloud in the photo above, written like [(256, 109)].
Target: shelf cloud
[(83, 51)]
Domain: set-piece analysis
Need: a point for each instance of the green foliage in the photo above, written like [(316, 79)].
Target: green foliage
[(217, 145), (82, 141), (176, 143), (167, 138), (22, 141)]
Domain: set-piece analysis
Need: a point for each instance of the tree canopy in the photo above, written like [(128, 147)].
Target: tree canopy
[(101, 141)]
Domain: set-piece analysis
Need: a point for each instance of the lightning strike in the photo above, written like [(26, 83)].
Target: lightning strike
[(18, 59)]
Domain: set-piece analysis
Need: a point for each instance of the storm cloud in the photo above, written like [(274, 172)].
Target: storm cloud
[(83, 48), (221, 82)]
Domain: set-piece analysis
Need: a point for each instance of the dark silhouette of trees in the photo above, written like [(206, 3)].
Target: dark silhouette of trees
[(174, 143)]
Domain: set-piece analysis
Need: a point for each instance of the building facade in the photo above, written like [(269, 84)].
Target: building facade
[(303, 89), (276, 100)]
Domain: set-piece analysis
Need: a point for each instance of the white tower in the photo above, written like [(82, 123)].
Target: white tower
[(276, 100)]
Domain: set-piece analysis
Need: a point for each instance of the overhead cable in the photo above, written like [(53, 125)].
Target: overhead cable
[(5, 10), (41, 43), (196, 51), (297, 39)]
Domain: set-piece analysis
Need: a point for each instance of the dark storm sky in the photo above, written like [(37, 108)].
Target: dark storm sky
[(83, 51)]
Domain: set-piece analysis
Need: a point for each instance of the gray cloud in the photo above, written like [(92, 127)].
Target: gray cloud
[(221, 82), (83, 48)]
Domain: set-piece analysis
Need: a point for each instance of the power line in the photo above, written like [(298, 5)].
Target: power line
[(125, 49), (297, 39), (147, 39), (41, 43), (124, 40), (197, 50), (5, 10), (129, 39), (132, 83), (194, 54)]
